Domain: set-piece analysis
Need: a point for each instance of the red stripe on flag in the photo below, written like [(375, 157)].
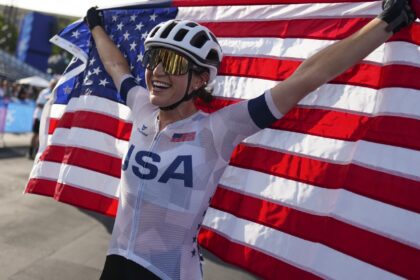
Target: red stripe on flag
[(74, 196), (250, 259), (351, 240), (326, 29), (363, 74), (52, 125), (366, 182), (389, 130), (323, 29), (191, 3), (88, 159), (95, 121), (409, 34)]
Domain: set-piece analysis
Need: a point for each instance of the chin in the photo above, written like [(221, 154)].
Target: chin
[(155, 100)]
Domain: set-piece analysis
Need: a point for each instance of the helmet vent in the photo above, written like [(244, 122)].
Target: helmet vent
[(180, 35), (168, 30), (213, 56), (191, 24), (199, 39), (152, 34)]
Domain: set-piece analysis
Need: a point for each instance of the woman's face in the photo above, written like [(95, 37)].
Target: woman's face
[(166, 89)]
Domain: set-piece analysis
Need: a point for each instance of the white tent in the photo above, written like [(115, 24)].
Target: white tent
[(34, 81)]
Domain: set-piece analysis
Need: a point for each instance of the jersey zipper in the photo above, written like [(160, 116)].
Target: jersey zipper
[(135, 220)]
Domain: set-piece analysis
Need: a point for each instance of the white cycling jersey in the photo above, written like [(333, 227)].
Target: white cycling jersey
[(169, 177)]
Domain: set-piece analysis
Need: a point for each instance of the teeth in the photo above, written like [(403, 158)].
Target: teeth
[(160, 84)]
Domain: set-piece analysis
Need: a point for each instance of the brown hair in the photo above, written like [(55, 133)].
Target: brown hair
[(205, 94)]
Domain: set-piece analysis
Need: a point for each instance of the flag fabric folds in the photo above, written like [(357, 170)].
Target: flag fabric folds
[(332, 190)]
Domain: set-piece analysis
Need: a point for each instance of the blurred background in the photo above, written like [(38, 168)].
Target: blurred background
[(28, 62)]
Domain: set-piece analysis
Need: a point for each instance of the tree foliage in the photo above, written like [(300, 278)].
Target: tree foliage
[(8, 36)]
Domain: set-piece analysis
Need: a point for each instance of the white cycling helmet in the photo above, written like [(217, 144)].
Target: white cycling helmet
[(189, 38)]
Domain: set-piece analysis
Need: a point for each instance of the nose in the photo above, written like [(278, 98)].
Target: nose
[(159, 70)]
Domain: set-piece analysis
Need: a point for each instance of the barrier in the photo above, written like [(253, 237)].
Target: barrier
[(16, 116)]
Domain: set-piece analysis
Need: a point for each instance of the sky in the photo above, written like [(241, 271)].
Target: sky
[(76, 8)]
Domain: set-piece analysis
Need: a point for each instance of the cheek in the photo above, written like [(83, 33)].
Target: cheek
[(148, 76), (180, 82)]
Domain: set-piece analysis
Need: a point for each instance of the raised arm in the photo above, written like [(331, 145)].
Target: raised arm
[(335, 59), (113, 60)]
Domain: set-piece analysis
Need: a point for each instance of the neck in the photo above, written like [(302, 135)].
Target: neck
[(183, 111)]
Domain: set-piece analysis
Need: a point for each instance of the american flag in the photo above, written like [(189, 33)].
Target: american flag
[(183, 137), (332, 190)]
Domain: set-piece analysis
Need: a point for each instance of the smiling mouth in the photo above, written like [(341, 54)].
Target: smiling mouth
[(160, 85)]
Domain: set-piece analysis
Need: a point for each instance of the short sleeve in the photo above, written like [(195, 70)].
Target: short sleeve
[(135, 96), (234, 123)]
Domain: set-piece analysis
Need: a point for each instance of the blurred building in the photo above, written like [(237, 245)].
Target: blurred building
[(34, 47), (28, 53)]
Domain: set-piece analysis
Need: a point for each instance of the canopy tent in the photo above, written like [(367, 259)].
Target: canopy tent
[(34, 81)]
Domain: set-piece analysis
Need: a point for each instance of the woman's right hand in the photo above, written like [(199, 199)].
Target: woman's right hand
[(93, 18), (397, 13)]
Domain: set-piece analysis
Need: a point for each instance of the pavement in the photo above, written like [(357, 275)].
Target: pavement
[(41, 239)]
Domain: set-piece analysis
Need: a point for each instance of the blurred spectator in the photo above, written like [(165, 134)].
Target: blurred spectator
[(42, 99), (14, 90), (22, 94), (34, 92), (2, 92), (4, 89)]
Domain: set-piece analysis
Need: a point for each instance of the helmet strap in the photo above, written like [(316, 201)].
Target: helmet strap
[(186, 95)]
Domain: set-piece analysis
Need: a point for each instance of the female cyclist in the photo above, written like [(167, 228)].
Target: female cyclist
[(177, 153)]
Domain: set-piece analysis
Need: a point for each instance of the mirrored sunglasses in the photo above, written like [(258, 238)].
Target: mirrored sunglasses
[(173, 63)]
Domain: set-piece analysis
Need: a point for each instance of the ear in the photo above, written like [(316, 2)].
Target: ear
[(200, 80)]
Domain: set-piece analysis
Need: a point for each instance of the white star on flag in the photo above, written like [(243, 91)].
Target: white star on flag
[(139, 57), (133, 17), (153, 17), (114, 18), (103, 82), (97, 70), (67, 90), (126, 35), (144, 35), (139, 26), (133, 46), (120, 26), (92, 61), (76, 34)]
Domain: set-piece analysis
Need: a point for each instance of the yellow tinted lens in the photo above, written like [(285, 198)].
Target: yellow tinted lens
[(173, 63)]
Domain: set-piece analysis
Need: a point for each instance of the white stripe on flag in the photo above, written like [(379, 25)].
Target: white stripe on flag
[(298, 48), (366, 101), (77, 177), (340, 204), (376, 156), (90, 140), (314, 257), (95, 104), (289, 11)]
